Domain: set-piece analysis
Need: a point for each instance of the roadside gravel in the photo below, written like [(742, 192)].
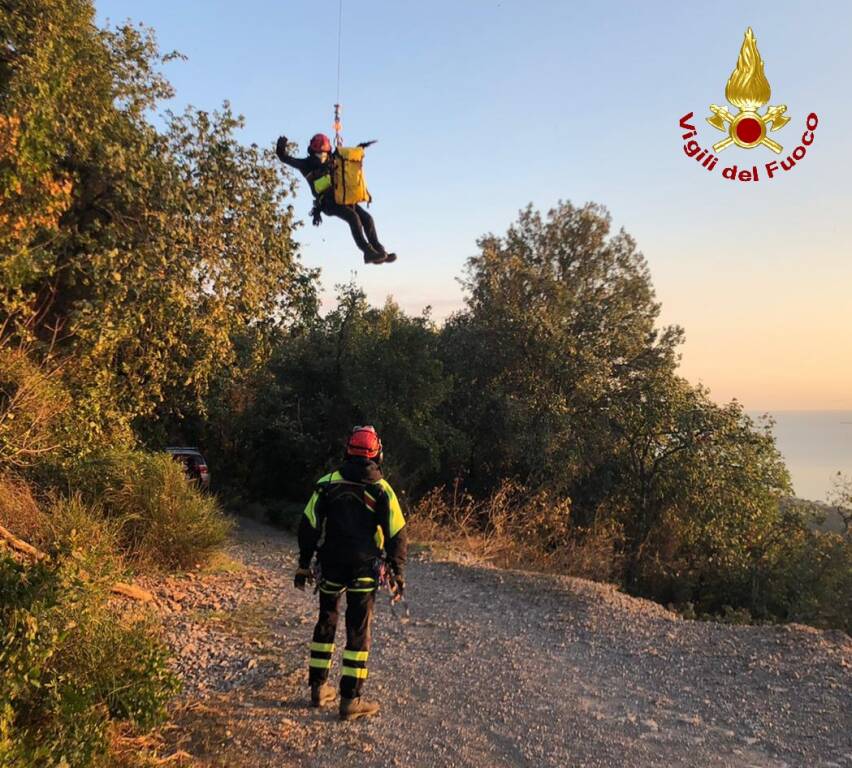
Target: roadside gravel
[(498, 668)]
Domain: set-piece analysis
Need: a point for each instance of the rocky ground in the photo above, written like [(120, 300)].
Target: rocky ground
[(497, 668)]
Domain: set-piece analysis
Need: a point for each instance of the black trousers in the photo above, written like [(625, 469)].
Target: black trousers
[(360, 600), (360, 223)]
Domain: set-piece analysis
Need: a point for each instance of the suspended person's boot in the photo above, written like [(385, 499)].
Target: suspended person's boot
[(372, 256), (387, 258), (322, 694), (351, 709)]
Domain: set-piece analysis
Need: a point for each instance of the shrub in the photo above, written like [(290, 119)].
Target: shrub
[(69, 666), (519, 528), (809, 575), (61, 522), (82, 528), (163, 519), (32, 402), (19, 511)]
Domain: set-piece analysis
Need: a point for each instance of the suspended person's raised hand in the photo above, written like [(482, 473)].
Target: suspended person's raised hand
[(281, 147)]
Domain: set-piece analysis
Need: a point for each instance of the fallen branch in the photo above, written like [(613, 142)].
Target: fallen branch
[(132, 591), (21, 546), (179, 756), (119, 588)]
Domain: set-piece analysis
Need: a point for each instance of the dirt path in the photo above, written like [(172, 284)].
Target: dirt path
[(498, 669)]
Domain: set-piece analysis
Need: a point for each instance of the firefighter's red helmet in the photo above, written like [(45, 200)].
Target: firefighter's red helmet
[(364, 442), (320, 143)]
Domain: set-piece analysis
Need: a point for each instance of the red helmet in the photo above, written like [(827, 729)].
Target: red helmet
[(320, 143), (364, 442)]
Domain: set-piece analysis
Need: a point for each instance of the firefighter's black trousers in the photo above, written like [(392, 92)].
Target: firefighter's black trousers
[(360, 599), (360, 223)]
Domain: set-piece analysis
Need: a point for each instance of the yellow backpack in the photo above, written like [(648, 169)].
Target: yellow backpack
[(349, 184)]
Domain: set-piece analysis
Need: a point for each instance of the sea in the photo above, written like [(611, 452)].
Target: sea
[(816, 445)]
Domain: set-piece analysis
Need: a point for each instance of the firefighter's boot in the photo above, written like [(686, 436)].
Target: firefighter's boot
[(351, 709), (322, 694)]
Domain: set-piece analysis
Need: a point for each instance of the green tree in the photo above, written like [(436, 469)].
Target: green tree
[(841, 499), (561, 317), (698, 491), (169, 250), (64, 86), (356, 365)]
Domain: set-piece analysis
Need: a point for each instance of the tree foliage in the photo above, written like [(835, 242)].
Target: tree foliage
[(148, 253), (561, 318), (357, 365)]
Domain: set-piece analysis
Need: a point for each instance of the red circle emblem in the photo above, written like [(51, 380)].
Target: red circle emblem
[(748, 130)]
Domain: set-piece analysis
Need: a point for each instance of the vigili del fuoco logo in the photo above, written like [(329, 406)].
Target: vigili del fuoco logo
[(748, 90)]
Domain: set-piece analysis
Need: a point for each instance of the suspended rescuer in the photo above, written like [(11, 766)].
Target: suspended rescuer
[(327, 173), (352, 517)]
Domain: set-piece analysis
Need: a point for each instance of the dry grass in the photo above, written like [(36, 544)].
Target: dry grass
[(515, 528), (250, 621), (19, 511), (220, 562), (207, 730), (128, 749)]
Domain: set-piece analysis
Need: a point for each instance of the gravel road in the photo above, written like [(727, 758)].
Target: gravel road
[(496, 669)]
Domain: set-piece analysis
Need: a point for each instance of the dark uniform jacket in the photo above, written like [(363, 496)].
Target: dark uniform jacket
[(313, 169), (352, 516)]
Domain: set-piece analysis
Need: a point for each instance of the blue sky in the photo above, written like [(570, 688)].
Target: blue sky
[(482, 107)]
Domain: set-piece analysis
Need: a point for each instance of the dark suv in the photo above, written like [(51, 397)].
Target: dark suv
[(193, 463)]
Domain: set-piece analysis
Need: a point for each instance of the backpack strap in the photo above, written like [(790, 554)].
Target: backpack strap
[(370, 492)]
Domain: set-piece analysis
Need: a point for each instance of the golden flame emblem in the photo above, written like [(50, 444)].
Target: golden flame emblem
[(748, 90)]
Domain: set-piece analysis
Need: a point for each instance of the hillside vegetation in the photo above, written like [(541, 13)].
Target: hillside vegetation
[(151, 292)]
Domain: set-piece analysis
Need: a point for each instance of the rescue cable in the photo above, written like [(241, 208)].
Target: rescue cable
[(338, 126)]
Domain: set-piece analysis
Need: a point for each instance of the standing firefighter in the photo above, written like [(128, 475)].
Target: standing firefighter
[(352, 516), (338, 186)]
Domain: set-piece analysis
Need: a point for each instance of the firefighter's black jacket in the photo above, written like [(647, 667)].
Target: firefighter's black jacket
[(351, 517)]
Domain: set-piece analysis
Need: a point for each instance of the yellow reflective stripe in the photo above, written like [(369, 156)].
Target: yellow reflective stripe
[(320, 663), (330, 591), (368, 579), (324, 647), (360, 673), (366, 589), (397, 521), (322, 184), (331, 583), (309, 509), (355, 655), (310, 512)]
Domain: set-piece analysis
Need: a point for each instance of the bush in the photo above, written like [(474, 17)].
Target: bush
[(32, 402), (162, 519), (19, 511), (516, 527), (72, 524), (809, 575), (68, 667)]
